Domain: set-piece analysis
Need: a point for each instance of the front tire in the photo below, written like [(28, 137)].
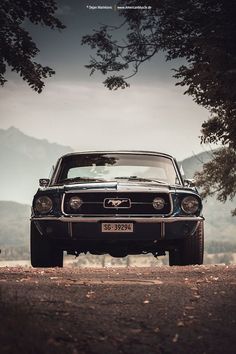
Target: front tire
[(43, 254), (174, 257), (190, 250)]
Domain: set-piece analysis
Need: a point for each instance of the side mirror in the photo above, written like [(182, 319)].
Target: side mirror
[(44, 182), (189, 182)]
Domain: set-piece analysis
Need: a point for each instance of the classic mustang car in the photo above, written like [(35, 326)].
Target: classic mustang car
[(120, 203)]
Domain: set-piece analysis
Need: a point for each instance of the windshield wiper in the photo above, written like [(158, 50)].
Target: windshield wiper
[(142, 179), (82, 179)]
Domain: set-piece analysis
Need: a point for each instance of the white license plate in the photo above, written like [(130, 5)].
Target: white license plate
[(117, 227)]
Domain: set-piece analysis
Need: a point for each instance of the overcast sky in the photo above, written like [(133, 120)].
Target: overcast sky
[(75, 109)]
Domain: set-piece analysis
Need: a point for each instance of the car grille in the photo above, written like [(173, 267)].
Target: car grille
[(139, 204)]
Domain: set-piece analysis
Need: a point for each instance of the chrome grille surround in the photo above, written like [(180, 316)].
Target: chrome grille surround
[(140, 204)]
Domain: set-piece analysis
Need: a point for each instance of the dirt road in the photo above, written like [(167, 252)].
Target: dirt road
[(118, 310)]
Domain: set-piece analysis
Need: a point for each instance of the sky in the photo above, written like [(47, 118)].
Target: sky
[(75, 108)]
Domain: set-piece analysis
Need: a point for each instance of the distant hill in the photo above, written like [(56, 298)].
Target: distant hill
[(23, 160), (194, 163), (14, 224)]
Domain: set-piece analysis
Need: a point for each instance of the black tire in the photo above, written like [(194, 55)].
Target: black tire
[(190, 250), (43, 254), (174, 257)]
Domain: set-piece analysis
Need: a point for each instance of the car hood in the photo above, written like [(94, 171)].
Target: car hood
[(115, 186), (131, 186)]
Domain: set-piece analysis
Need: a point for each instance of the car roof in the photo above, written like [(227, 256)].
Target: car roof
[(137, 152)]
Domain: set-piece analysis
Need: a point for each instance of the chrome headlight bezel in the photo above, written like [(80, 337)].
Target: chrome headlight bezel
[(43, 204), (190, 204), (75, 202), (158, 203)]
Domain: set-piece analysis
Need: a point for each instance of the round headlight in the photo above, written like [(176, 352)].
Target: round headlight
[(75, 202), (43, 204), (158, 203), (190, 204)]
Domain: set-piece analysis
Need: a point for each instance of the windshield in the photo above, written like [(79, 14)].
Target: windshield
[(111, 167)]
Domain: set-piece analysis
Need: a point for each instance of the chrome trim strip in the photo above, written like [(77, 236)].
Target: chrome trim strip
[(198, 224), (70, 232), (62, 205), (163, 229), (134, 190), (55, 173), (38, 228), (147, 220)]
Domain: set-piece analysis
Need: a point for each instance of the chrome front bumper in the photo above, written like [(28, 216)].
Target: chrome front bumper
[(146, 227), (94, 219)]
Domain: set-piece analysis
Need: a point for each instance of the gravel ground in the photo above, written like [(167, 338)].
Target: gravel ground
[(118, 310)]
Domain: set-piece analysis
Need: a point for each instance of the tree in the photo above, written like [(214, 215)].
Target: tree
[(201, 33), (17, 49), (218, 176)]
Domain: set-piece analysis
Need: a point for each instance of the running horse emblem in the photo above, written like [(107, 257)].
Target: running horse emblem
[(116, 202)]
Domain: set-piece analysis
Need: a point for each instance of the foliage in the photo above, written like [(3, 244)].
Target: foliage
[(202, 34), (15, 253), (17, 49), (219, 176)]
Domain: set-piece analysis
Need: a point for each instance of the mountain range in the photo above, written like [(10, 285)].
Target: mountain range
[(23, 161)]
